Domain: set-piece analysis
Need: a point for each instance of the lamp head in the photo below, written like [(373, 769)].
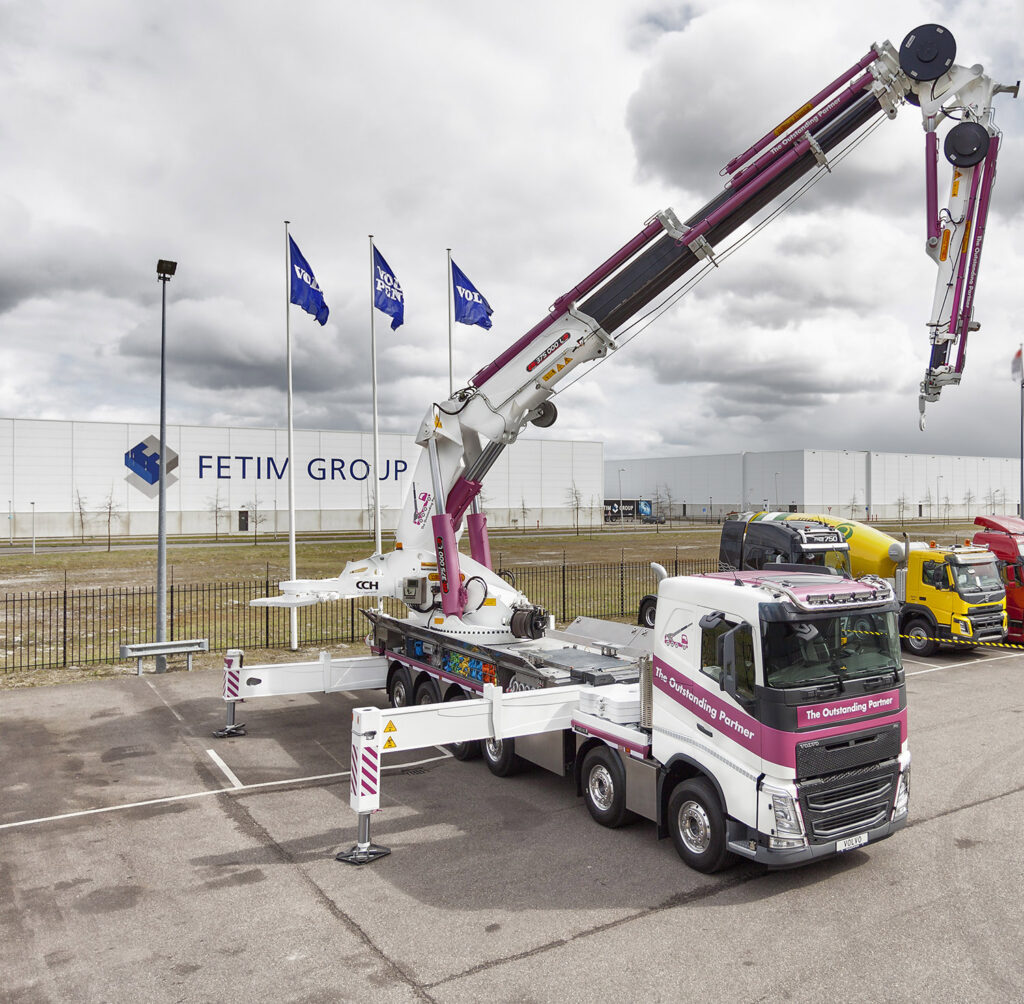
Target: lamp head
[(165, 269)]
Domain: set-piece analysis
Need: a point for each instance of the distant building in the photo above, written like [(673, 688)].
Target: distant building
[(860, 484), (236, 479)]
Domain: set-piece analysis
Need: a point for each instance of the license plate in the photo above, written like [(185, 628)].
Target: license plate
[(848, 843)]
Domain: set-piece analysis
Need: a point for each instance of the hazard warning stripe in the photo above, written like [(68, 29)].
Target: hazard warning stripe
[(230, 683)]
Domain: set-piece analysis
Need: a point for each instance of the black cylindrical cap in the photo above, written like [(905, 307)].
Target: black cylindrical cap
[(927, 52)]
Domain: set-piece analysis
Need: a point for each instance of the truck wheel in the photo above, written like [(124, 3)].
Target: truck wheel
[(918, 637), (697, 825), (427, 692), (468, 750), (648, 608), (400, 688), (500, 757), (604, 787)]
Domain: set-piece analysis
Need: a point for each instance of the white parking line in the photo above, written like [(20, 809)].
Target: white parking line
[(228, 772), (969, 662), (213, 791)]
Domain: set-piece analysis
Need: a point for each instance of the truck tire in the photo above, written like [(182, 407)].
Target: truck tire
[(697, 825), (427, 692), (648, 608), (604, 787), (470, 749), (400, 687), (918, 637), (500, 757)]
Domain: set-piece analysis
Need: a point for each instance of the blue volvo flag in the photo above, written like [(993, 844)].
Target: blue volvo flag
[(470, 306), (387, 290), (306, 292)]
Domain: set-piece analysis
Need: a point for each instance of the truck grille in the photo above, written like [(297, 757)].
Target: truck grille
[(848, 803), (851, 749)]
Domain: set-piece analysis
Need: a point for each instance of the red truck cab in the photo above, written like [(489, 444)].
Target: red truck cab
[(1004, 537)]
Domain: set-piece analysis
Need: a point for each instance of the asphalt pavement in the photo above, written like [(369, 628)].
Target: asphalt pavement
[(142, 859)]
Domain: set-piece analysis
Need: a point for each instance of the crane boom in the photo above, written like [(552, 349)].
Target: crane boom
[(464, 436)]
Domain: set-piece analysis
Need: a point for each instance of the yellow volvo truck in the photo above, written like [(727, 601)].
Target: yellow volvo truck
[(946, 594)]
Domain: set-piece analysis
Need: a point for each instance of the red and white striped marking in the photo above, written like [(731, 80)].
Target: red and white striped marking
[(365, 762), (232, 673)]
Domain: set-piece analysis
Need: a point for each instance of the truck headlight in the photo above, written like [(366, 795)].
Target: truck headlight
[(787, 820), (962, 626), (902, 804)]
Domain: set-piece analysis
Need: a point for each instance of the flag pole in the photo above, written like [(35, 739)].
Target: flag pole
[(1020, 507), (451, 294), (293, 618), (376, 434)]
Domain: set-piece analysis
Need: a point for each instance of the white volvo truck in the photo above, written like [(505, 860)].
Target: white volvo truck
[(783, 796)]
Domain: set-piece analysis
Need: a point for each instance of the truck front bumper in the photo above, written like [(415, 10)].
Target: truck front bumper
[(794, 857)]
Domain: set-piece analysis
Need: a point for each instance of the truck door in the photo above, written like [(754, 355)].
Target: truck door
[(730, 548), (729, 726), (935, 590)]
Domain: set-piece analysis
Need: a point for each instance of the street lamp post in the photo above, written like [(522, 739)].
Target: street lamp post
[(778, 474), (164, 271), (33, 526), (621, 469), (938, 478)]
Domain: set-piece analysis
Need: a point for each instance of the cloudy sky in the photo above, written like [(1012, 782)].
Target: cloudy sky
[(533, 139)]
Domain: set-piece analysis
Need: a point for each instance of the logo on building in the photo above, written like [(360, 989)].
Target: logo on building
[(143, 463)]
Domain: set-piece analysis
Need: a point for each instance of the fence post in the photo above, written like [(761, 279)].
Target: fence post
[(64, 623), (564, 615), (676, 569), (266, 610)]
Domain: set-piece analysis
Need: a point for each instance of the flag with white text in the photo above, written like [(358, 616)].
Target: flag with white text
[(387, 291), (470, 305), (305, 290)]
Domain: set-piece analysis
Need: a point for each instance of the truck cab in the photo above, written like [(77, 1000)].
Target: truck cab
[(749, 542), (787, 690), (1004, 537), (950, 594)]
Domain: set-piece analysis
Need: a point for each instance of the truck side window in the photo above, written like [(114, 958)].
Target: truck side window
[(934, 574), (709, 665), (709, 651)]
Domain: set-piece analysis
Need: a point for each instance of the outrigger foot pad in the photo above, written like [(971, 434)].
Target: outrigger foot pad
[(362, 854), (230, 730)]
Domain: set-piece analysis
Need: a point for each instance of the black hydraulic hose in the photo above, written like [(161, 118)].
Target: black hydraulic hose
[(657, 268)]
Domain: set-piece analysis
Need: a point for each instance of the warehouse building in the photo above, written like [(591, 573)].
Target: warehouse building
[(74, 479), (858, 484)]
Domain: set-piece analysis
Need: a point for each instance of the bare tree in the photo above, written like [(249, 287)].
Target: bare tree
[(901, 507), (523, 510), (111, 511), (969, 499), (219, 510), (257, 517), (853, 506), (575, 499), (81, 506), (669, 502)]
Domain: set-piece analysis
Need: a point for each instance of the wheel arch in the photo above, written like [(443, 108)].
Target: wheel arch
[(581, 753), (915, 611), (678, 769)]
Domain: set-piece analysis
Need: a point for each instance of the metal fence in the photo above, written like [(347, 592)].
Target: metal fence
[(79, 627)]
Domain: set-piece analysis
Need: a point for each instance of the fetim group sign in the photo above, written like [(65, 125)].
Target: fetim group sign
[(228, 467), (143, 463)]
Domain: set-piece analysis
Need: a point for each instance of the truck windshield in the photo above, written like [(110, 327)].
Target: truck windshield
[(829, 650), (976, 577)]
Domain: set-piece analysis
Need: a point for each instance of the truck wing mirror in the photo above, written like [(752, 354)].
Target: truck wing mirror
[(727, 660)]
